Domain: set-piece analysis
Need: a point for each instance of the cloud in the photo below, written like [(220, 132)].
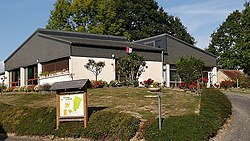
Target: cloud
[(202, 17)]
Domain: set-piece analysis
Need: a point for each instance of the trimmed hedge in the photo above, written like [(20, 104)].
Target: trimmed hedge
[(41, 122), (215, 109)]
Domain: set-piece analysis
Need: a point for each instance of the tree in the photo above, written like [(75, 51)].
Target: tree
[(95, 67), (60, 16), (131, 66), (189, 69), (131, 18), (230, 42)]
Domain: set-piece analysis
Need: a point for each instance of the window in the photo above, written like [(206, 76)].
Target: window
[(156, 43), (173, 76), (56, 66), (152, 44), (31, 75), (15, 78)]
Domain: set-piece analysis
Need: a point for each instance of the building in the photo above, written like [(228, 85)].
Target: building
[(229, 75), (49, 56), (174, 49)]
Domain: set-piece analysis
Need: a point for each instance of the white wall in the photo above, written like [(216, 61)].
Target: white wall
[(215, 75), (56, 78), (80, 72), (153, 71)]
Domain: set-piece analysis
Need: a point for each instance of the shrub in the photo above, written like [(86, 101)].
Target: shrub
[(44, 87), (97, 84), (108, 125), (227, 84), (41, 122), (27, 121), (215, 109), (114, 83), (3, 88), (10, 89), (245, 85), (182, 85)]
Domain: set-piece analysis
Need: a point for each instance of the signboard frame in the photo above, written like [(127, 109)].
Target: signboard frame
[(72, 118)]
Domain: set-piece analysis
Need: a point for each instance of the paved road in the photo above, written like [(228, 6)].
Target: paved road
[(240, 128), (4, 138)]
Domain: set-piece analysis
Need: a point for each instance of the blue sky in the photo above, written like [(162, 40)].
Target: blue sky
[(20, 18)]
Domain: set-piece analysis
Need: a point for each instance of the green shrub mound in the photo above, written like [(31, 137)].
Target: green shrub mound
[(215, 109), (112, 126), (103, 125)]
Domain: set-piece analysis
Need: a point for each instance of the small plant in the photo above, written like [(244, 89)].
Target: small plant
[(147, 83), (97, 84), (156, 84), (44, 87), (114, 83), (182, 85)]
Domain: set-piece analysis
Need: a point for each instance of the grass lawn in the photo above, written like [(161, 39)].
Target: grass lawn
[(128, 100)]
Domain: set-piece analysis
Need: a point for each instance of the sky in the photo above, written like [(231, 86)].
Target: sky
[(21, 18)]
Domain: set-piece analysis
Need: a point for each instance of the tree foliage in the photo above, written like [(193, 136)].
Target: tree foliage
[(131, 18), (231, 41), (131, 66), (95, 67), (189, 69)]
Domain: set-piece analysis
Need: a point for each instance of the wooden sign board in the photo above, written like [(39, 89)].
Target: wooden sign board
[(71, 105), (71, 102)]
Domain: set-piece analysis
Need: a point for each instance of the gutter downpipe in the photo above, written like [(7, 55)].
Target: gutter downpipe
[(70, 63), (162, 66)]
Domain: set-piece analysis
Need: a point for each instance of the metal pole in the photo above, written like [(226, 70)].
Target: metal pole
[(159, 109), (237, 83)]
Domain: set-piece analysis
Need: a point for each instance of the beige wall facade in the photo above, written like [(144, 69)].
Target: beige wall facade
[(221, 77), (153, 71), (80, 72)]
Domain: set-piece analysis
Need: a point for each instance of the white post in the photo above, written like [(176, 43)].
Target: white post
[(22, 76), (214, 78), (39, 71), (168, 75), (7, 78)]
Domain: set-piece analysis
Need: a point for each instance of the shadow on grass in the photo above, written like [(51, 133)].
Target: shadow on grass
[(3, 134), (92, 110)]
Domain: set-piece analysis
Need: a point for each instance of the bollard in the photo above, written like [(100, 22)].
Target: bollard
[(159, 109)]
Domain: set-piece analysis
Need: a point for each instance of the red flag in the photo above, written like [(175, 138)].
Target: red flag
[(128, 50)]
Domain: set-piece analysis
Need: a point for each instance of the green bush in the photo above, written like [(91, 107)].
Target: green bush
[(215, 109), (41, 122), (112, 126)]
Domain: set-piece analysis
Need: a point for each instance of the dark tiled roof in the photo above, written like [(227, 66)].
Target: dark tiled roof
[(100, 42), (70, 85), (232, 74), (179, 40), (81, 35)]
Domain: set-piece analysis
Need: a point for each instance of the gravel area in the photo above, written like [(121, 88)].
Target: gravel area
[(237, 127), (240, 125)]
